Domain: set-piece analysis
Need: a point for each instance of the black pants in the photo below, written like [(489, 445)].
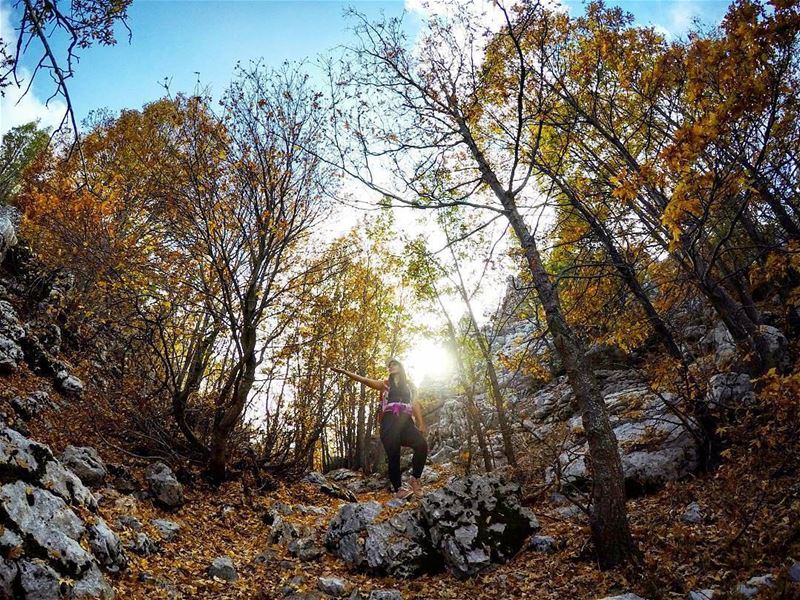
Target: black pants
[(398, 430)]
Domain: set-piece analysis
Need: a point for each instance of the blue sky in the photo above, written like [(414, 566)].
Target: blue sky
[(176, 39)]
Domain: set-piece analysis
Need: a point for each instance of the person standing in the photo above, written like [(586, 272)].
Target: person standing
[(401, 424)]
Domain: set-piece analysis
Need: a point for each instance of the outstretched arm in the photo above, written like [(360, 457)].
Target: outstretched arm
[(375, 384), (416, 411)]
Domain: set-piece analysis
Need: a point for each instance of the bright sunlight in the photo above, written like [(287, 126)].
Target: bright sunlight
[(428, 360)]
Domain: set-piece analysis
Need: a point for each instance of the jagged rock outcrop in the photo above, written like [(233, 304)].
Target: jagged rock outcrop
[(656, 446), (56, 553), (165, 487), (85, 463), (27, 407), (8, 234), (476, 521), (465, 526)]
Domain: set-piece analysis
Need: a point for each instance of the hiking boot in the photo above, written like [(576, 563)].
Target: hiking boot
[(416, 487), (400, 497)]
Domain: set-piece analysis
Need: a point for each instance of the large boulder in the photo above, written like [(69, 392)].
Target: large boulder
[(10, 355), (475, 521), (729, 391), (8, 235), (54, 546), (343, 537), (465, 526), (31, 405), (85, 463), (400, 547), (719, 342), (165, 487), (656, 447)]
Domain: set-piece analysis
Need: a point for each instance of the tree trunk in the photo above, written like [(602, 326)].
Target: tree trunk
[(491, 374), (473, 414), (361, 427), (608, 519)]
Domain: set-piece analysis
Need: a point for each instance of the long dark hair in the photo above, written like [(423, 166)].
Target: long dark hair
[(400, 388), (398, 379)]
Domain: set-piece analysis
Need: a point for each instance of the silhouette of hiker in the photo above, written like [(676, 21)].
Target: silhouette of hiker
[(401, 424)]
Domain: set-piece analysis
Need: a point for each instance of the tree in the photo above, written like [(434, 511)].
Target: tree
[(424, 114), (43, 25), (20, 147), (194, 223)]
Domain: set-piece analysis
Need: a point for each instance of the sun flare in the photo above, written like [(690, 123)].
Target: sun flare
[(428, 360)]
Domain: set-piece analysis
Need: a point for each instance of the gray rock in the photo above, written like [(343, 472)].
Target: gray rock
[(38, 581), (306, 549), (338, 491), (794, 572), (334, 586), (755, 585), (130, 522), (692, 514), (342, 537), (166, 489), (168, 529), (543, 543), (475, 521), (707, 594), (341, 474), (68, 384), (429, 476), (222, 568), (400, 547), (67, 485), (45, 520), (10, 325), (730, 390), (315, 477), (106, 546), (385, 595), (11, 355), (92, 585), (142, 545), (85, 463), (312, 510), (31, 405), (694, 333), (653, 450), (8, 575), (8, 236), (281, 531), (279, 508), (443, 455), (626, 596), (37, 504), (719, 342), (570, 512)]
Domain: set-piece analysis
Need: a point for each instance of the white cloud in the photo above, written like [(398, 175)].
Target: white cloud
[(16, 107)]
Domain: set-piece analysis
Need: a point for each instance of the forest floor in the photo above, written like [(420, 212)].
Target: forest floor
[(751, 503)]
